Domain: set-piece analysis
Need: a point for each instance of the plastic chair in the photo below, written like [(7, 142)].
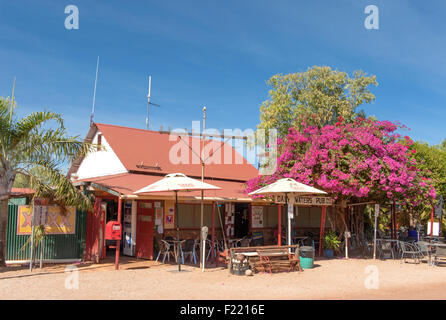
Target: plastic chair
[(166, 249), (385, 247), (410, 250), (209, 248), (440, 252), (245, 242), (423, 247), (189, 250)]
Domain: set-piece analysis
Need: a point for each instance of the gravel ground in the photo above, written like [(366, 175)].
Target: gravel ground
[(138, 279)]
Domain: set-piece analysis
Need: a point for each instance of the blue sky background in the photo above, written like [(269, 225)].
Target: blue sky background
[(218, 54)]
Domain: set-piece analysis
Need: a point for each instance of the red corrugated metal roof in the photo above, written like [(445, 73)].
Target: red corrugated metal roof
[(127, 183), (136, 147), (21, 191)]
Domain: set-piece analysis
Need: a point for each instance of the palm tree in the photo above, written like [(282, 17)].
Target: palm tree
[(36, 148)]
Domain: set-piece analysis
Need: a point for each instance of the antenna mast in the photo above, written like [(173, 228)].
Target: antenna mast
[(94, 93), (148, 103)]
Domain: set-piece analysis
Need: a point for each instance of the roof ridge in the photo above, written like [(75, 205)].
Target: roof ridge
[(124, 127)]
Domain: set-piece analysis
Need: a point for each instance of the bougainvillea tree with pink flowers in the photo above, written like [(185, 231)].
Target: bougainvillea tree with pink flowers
[(363, 160)]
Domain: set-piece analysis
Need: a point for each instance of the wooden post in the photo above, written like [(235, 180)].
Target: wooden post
[(394, 220), (322, 229), (432, 222), (118, 242), (279, 239)]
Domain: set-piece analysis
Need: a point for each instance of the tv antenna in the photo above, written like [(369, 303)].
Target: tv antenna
[(149, 103), (94, 93)]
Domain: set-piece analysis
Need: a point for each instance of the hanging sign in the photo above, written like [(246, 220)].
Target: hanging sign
[(306, 201), (257, 216)]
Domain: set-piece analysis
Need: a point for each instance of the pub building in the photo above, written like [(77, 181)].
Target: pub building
[(129, 159)]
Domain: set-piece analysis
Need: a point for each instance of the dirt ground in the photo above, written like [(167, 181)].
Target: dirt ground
[(139, 279)]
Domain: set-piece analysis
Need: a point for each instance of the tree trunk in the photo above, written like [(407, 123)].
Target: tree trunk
[(3, 224), (7, 178)]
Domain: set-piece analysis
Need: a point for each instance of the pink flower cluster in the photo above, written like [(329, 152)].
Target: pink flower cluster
[(363, 159)]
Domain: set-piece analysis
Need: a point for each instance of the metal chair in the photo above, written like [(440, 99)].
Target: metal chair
[(410, 250), (189, 250), (385, 247), (440, 252), (423, 247), (166, 249), (245, 241)]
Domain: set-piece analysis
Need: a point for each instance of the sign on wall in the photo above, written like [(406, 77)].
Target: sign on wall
[(54, 220), (257, 216), (307, 201), (159, 218), (169, 218)]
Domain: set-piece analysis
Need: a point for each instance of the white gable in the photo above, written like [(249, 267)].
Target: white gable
[(100, 163)]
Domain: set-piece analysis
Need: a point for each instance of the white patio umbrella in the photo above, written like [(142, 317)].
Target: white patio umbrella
[(285, 187), (176, 182)]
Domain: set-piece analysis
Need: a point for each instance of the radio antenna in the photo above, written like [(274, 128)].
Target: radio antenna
[(94, 93), (149, 103)]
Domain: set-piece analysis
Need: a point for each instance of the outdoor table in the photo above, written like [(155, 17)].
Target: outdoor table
[(176, 248), (433, 238)]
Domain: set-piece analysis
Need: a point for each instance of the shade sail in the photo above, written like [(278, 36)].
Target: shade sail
[(176, 182), (287, 185)]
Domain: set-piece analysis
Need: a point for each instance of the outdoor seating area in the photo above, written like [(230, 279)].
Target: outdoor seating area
[(428, 249), (238, 258)]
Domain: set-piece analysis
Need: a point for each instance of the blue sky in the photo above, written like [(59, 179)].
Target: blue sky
[(218, 54)]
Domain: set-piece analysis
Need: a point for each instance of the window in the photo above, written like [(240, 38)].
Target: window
[(186, 215)]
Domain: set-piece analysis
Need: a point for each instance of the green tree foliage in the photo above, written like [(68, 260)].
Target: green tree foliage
[(433, 160), (320, 95), (35, 148)]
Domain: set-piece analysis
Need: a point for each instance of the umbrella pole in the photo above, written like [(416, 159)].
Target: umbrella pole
[(178, 231), (279, 225)]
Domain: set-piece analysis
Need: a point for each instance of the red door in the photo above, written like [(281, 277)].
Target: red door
[(144, 230)]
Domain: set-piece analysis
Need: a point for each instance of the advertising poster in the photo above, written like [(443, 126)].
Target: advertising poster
[(56, 221), (257, 216), (169, 219)]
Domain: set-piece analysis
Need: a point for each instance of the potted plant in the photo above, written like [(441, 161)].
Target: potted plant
[(330, 243)]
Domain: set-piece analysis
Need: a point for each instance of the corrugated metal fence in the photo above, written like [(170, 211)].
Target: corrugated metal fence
[(59, 246)]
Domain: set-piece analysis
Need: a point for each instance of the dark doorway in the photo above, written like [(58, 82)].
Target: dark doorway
[(241, 220)]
